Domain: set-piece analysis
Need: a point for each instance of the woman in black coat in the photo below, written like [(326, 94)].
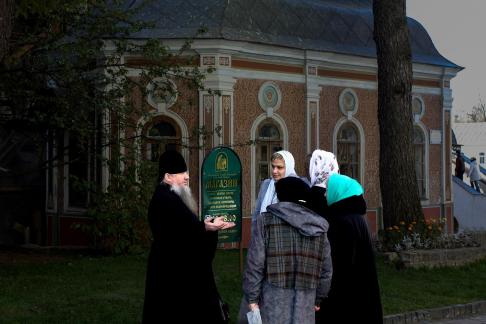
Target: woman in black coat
[(180, 286), (355, 295)]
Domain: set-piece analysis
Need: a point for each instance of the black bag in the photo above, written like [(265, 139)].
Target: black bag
[(224, 309)]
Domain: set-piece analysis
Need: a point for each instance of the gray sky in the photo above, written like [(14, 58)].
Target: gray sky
[(458, 30)]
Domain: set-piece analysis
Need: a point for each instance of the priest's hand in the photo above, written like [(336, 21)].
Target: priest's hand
[(216, 224)]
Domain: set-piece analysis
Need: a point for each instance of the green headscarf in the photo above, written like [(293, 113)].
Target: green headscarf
[(340, 187)]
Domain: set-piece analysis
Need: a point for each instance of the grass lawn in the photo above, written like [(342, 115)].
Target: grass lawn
[(110, 289)]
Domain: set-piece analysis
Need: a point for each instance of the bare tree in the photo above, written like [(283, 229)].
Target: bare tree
[(478, 113), (398, 182)]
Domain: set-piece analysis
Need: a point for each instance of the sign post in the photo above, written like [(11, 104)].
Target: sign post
[(221, 191)]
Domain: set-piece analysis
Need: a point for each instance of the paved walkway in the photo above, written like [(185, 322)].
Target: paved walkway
[(471, 313), (478, 319)]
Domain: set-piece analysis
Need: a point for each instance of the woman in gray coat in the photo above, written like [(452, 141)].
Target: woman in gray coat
[(289, 267)]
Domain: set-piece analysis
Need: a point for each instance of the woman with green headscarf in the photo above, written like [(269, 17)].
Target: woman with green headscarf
[(355, 295)]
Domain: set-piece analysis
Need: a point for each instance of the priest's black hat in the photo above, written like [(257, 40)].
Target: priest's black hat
[(171, 162)]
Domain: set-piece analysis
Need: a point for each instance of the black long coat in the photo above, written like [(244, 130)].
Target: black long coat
[(317, 201), (180, 279), (355, 295)]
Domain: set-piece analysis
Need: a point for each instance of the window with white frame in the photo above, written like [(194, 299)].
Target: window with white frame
[(481, 158), (348, 150), (419, 156), (268, 141), (78, 170), (160, 136), (50, 156)]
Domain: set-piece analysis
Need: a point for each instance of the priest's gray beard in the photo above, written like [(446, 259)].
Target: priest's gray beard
[(184, 192)]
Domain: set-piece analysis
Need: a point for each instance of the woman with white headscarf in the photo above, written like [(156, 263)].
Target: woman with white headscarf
[(322, 165), (283, 165)]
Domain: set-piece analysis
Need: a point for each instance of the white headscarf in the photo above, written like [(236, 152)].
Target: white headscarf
[(270, 195), (322, 165)]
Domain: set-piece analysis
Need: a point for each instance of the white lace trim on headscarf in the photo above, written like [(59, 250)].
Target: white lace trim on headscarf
[(322, 165), (270, 195)]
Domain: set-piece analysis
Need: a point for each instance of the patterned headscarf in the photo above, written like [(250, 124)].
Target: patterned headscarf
[(322, 165), (270, 195)]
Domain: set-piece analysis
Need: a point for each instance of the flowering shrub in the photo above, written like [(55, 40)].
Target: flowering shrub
[(420, 235)]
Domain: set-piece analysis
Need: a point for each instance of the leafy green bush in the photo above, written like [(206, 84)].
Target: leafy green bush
[(119, 215)]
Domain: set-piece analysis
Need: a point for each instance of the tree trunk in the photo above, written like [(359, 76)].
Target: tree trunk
[(6, 25), (398, 181)]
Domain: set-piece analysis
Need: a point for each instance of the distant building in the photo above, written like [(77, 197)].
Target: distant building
[(472, 137)]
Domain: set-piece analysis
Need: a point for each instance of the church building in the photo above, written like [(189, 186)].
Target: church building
[(296, 75)]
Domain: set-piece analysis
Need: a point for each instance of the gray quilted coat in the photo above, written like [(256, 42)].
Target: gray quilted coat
[(284, 305)]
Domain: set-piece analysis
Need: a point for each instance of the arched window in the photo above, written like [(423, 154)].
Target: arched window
[(348, 150), (160, 136), (419, 154), (268, 141)]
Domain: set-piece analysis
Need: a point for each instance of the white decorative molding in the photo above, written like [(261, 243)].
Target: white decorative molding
[(162, 104), (219, 48), (348, 97), (312, 113), (311, 70), (208, 60), (224, 60), (267, 75), (418, 117), (447, 99), (426, 90), (435, 136), (215, 59), (269, 97), (313, 89), (221, 80), (227, 109), (356, 84)]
